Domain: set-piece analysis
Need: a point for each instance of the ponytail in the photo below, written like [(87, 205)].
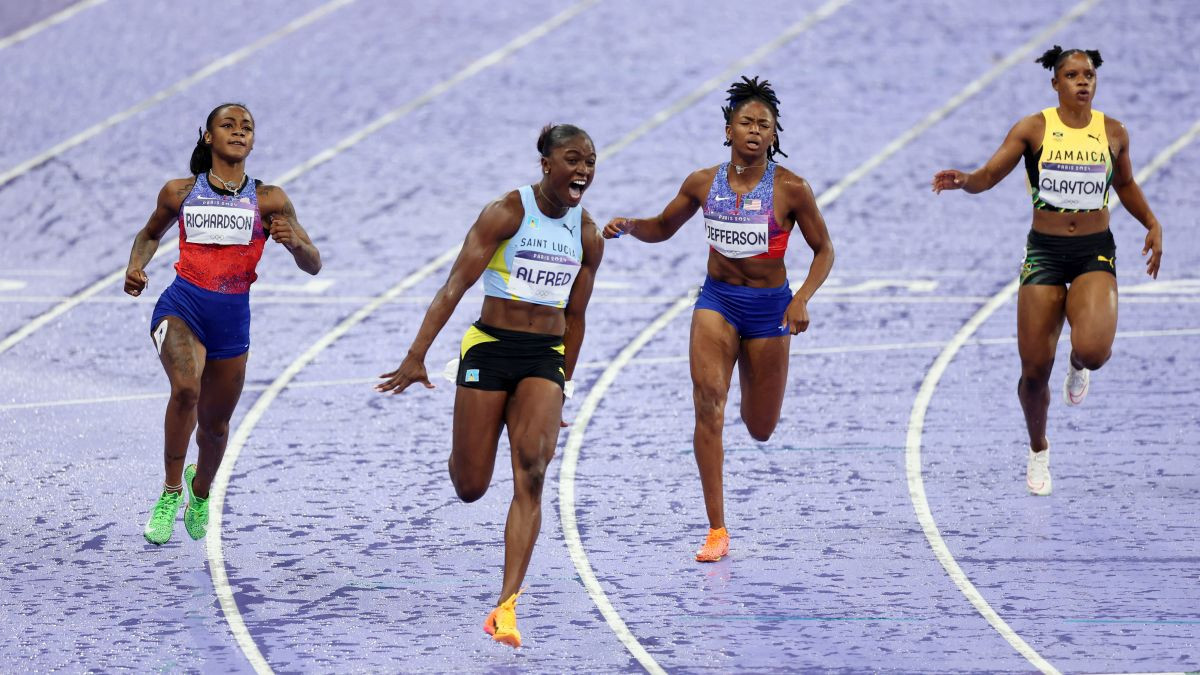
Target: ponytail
[(1051, 59)]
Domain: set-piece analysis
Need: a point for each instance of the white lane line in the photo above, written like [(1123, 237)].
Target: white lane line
[(579, 428), (471, 70), (916, 425), (216, 556), (166, 246), (722, 79), (1133, 299), (212, 68), (594, 365), (566, 486), (52, 20)]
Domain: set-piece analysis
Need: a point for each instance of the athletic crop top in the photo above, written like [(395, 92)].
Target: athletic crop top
[(539, 263), (221, 238), (1073, 169), (739, 226)]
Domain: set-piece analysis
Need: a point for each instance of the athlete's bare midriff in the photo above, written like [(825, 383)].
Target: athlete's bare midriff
[(1070, 224), (525, 317)]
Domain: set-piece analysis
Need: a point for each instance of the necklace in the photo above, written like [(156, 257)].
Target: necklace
[(555, 204), (235, 186), (741, 169)]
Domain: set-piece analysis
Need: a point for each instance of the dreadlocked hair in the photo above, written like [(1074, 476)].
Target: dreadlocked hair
[(202, 154), (751, 89), (1053, 58)]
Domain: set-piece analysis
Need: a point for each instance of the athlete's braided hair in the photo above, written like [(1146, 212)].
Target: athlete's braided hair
[(202, 153), (554, 135), (1052, 59), (751, 89)]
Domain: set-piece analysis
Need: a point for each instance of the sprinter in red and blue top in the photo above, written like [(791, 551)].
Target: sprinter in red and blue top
[(1073, 154), (746, 312), (201, 323)]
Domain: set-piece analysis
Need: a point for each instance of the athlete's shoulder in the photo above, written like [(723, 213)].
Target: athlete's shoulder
[(699, 181), (791, 183), (175, 191)]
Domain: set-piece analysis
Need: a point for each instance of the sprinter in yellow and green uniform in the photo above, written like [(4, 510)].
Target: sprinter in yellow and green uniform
[(1073, 156)]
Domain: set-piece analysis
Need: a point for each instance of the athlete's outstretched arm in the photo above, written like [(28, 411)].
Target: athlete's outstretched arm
[(664, 225), (581, 293), (280, 216), (1020, 138), (1133, 199), (170, 197), (498, 221), (812, 225)]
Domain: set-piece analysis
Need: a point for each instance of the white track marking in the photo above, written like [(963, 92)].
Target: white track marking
[(593, 365), (579, 428), (212, 68), (916, 425), (52, 20), (722, 79), (216, 556), (566, 485), (165, 247)]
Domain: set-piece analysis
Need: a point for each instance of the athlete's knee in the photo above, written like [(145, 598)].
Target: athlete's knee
[(1034, 372), (1092, 358), (185, 394), (709, 402), (533, 458), (214, 431), (468, 488)]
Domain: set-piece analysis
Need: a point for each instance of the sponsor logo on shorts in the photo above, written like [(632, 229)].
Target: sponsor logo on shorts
[(1112, 262), (472, 375)]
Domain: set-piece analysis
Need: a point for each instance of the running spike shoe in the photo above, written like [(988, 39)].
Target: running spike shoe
[(716, 546)]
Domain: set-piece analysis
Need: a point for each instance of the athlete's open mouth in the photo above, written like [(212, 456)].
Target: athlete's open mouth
[(576, 188)]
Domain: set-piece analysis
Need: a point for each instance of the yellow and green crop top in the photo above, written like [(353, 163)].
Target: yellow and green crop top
[(1073, 169)]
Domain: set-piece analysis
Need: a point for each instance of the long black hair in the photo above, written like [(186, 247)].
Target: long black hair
[(202, 153), (751, 89), (554, 135), (1052, 59)]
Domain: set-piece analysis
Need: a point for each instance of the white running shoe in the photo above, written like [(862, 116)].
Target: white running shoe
[(1037, 473), (1075, 387)]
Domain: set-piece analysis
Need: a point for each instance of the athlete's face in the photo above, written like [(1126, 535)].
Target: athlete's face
[(232, 133), (751, 129), (569, 170), (1075, 80)]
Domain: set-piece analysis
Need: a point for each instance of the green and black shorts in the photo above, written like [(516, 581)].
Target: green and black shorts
[(1056, 261)]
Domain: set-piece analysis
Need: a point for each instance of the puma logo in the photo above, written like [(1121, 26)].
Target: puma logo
[(570, 228), (1112, 262), (1094, 137)]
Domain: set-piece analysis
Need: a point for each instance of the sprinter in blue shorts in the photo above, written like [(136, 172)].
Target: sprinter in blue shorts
[(746, 312)]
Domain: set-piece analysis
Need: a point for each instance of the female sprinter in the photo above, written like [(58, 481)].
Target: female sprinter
[(201, 324), (746, 312), (1072, 154), (538, 252)]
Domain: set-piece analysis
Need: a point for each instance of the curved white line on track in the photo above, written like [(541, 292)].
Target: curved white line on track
[(52, 20), (165, 246), (216, 556), (916, 425), (590, 365), (212, 68), (571, 451)]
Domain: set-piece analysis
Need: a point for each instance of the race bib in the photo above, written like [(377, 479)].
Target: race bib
[(224, 225), (1072, 186), (544, 278), (738, 236)]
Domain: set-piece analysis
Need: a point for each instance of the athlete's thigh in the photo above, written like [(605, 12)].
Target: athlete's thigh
[(1092, 309), (712, 351), (533, 416), (1040, 312), (179, 350), (478, 419), (762, 371), (220, 388)]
